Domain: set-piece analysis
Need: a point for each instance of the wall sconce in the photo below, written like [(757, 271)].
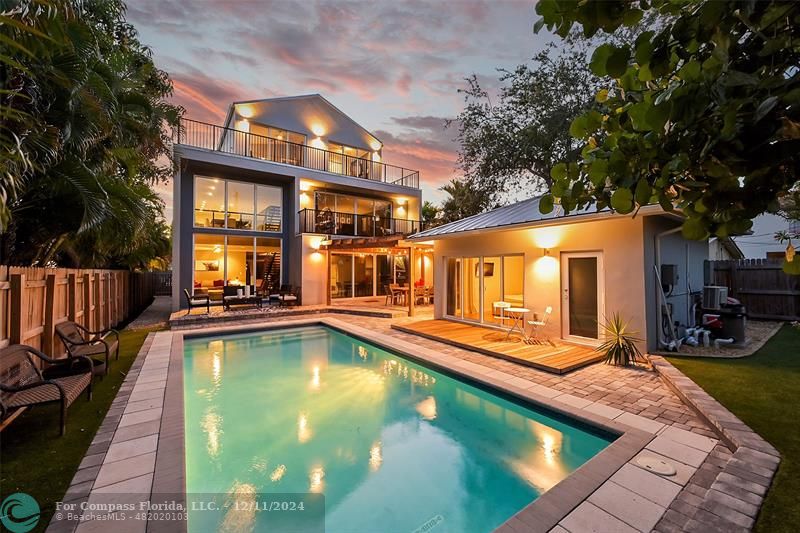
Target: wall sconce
[(546, 252), (318, 129)]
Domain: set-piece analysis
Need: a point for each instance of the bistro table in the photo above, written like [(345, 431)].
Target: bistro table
[(517, 317)]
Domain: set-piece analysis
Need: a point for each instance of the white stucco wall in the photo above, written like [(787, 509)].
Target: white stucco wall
[(314, 270), (619, 239)]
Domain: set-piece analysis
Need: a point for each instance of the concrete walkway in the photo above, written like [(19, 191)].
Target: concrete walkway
[(155, 315)]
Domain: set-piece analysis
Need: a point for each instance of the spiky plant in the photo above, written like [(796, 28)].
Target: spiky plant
[(620, 345)]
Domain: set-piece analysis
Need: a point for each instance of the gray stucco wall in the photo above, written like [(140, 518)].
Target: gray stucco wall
[(689, 256)]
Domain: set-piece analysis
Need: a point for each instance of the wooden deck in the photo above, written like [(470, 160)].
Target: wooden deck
[(558, 359)]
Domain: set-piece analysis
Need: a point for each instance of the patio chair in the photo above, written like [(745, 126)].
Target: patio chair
[(538, 324), (23, 385), (198, 300), (80, 341), (289, 297)]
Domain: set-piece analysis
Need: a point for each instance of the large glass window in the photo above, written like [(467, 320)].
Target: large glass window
[(236, 205), (268, 208), (513, 279), (221, 260), (275, 144), (209, 202), (363, 275), (268, 264), (343, 214), (472, 288), (240, 205), (209, 264), (482, 283), (454, 286), (492, 288), (341, 276), (384, 264)]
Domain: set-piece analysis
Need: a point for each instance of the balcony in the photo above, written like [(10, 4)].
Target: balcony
[(352, 225), (228, 140)]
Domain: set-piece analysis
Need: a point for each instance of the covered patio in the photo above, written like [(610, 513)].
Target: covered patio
[(399, 276)]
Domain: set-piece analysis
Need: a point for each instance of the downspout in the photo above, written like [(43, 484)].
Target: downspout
[(659, 290)]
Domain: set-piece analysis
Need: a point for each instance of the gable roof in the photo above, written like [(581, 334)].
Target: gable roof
[(317, 96), (521, 213)]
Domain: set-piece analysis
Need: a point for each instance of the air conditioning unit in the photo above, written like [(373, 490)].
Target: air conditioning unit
[(714, 297)]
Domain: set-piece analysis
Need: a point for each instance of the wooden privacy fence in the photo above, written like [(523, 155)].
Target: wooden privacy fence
[(34, 300), (761, 285)]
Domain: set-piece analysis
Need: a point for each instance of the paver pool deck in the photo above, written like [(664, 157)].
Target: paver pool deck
[(723, 469)]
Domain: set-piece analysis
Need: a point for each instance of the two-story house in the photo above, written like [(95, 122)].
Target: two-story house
[(256, 198)]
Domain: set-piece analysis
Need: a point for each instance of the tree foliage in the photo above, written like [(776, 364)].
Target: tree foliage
[(84, 132), (702, 115), (465, 198), (510, 145)]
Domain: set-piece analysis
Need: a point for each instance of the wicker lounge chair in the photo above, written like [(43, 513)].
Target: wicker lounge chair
[(80, 341), (198, 300), (22, 384)]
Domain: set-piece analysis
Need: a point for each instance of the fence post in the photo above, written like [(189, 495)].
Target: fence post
[(98, 310), (49, 315), (72, 304), (87, 301), (18, 304), (107, 300)]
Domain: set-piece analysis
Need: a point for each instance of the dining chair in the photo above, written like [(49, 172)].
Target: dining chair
[(538, 324)]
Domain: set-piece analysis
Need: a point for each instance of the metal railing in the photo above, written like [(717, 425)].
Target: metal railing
[(221, 139), (350, 224)]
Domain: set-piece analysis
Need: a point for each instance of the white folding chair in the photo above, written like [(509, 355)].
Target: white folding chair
[(539, 324)]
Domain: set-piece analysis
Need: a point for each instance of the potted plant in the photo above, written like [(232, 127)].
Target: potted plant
[(620, 344)]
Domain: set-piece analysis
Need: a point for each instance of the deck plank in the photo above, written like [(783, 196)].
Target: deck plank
[(558, 359)]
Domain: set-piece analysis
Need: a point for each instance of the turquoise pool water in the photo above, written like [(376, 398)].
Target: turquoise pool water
[(392, 445)]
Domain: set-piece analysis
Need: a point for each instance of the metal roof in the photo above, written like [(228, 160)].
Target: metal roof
[(524, 212)]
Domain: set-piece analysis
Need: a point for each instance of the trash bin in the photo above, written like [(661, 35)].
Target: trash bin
[(734, 323)]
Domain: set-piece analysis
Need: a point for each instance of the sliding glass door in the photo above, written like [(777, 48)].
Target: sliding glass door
[(475, 285)]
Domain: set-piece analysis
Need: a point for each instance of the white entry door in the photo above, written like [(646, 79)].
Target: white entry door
[(582, 296)]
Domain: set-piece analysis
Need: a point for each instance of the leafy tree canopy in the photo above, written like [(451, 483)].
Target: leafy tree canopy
[(465, 198), (83, 136), (702, 115), (510, 143)]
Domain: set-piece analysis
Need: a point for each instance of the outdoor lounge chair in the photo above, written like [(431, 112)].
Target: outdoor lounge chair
[(198, 300), (22, 384), (288, 295), (80, 341), (538, 324)]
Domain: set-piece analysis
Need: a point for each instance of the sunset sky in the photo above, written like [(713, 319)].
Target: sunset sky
[(394, 67)]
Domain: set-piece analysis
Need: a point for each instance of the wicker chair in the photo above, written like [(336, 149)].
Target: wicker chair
[(80, 341), (22, 384)]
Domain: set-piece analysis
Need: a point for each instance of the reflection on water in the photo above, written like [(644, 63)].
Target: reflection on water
[(389, 442), (241, 517)]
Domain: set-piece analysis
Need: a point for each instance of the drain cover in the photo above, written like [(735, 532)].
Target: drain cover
[(657, 466)]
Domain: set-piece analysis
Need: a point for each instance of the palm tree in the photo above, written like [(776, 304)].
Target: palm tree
[(85, 122)]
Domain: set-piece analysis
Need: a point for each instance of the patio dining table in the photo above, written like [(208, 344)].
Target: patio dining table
[(517, 317)]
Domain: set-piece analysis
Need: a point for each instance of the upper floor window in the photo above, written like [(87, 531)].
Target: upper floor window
[(275, 144), (232, 204), (345, 159)]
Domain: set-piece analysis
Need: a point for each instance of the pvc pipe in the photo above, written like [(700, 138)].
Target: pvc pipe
[(722, 342)]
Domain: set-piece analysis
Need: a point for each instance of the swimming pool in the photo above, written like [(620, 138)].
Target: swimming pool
[(392, 445)]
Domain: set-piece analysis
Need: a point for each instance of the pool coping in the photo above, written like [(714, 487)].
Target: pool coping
[(542, 514)]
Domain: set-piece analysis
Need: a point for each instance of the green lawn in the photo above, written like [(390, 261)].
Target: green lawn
[(764, 391), (35, 460)]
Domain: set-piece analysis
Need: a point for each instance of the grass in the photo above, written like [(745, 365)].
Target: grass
[(763, 391), (35, 460)]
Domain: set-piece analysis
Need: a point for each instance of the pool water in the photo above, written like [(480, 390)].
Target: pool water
[(392, 445)]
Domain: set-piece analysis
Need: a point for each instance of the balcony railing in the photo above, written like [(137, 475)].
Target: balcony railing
[(335, 223), (221, 139)]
